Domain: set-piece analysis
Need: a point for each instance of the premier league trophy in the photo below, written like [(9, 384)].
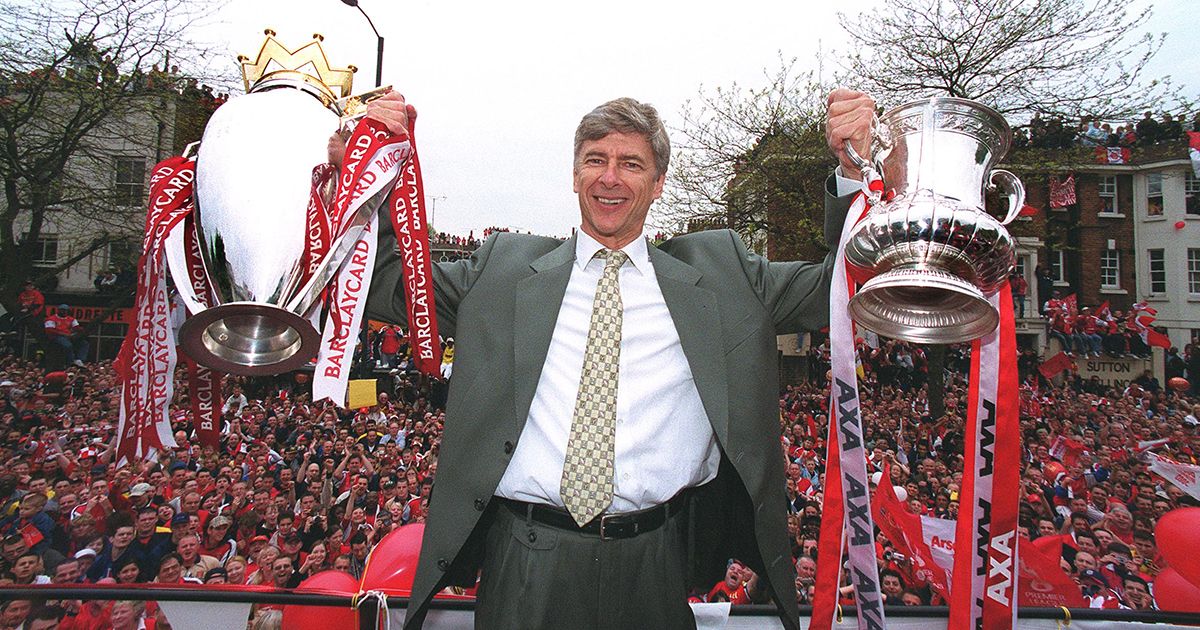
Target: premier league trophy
[(929, 254), (254, 227)]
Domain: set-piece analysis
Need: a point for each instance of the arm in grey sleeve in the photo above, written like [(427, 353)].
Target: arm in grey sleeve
[(797, 293), (451, 281)]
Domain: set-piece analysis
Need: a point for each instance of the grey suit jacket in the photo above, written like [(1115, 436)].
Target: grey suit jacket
[(727, 304)]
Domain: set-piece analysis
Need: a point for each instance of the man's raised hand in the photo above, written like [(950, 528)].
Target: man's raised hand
[(849, 118), (393, 112)]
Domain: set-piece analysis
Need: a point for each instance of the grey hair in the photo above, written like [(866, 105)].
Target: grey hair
[(626, 115)]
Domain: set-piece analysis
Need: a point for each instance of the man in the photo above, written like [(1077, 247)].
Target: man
[(63, 329), (116, 549), (695, 421), (194, 563)]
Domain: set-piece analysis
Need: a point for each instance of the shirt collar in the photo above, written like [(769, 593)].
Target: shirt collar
[(586, 247)]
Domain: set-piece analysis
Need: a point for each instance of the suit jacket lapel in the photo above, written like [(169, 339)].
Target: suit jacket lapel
[(539, 298), (697, 319)]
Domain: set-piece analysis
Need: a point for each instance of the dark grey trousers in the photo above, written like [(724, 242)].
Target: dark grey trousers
[(539, 577)]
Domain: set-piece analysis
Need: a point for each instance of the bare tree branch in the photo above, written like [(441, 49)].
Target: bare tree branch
[(1064, 58)]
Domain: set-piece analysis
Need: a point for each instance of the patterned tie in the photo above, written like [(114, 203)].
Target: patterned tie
[(588, 470)]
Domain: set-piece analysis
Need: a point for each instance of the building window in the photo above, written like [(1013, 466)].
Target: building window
[(1154, 194), (45, 251), (1193, 271), (129, 189), (1191, 193), (1058, 267), (1108, 195), (1158, 272), (1110, 269)]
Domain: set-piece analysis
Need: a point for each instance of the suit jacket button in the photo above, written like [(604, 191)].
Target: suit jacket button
[(443, 564), (480, 504), (508, 448)]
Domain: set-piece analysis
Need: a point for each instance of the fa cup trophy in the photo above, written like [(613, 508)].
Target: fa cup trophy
[(929, 253)]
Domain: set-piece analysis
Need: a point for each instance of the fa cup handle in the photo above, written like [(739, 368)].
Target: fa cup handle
[(1010, 186), (880, 140)]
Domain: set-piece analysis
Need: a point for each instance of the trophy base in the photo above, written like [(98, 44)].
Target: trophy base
[(249, 339), (923, 305)]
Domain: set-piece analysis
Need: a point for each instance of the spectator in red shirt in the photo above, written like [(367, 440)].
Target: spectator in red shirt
[(63, 329)]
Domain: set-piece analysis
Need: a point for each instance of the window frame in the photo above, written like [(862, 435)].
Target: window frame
[(1104, 192), (1114, 269), (1191, 194), (1162, 271), (44, 242), (1193, 270), (130, 190), (1151, 195)]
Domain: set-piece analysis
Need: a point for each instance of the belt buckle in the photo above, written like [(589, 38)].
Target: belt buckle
[(618, 529)]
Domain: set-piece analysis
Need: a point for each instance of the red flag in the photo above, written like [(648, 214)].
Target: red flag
[(1155, 338), (1062, 193), (1113, 155), (1055, 364), (905, 531), (1142, 321), (1066, 450), (1072, 304), (1043, 583), (1028, 211)]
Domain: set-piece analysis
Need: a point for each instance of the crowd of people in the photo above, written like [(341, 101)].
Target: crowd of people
[(299, 487), (1056, 133), (1088, 332)]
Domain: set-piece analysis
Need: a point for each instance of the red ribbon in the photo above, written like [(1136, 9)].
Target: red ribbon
[(846, 504), (412, 233), (983, 592), (145, 365), (319, 236)]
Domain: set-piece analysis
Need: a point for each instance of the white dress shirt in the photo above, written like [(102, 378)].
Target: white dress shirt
[(664, 442)]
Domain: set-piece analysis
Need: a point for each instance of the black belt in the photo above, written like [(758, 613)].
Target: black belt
[(606, 526)]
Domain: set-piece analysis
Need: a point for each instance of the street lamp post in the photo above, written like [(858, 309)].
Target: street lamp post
[(378, 41)]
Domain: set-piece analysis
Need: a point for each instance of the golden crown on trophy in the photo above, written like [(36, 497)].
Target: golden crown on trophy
[(306, 67)]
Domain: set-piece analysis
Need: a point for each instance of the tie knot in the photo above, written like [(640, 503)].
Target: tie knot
[(613, 258)]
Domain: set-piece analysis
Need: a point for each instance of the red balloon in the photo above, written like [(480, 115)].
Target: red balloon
[(323, 617), (1173, 592), (1179, 225), (1178, 383), (1175, 535), (393, 562)]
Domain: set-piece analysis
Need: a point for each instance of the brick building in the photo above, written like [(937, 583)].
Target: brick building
[(1132, 234)]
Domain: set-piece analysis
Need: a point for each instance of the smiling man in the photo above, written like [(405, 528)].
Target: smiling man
[(612, 433)]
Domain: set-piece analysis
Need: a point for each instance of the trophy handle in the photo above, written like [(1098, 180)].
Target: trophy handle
[(1009, 185), (880, 141)]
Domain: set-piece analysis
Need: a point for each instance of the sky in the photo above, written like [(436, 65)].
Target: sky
[(500, 88)]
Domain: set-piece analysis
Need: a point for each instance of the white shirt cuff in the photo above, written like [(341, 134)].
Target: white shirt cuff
[(845, 185)]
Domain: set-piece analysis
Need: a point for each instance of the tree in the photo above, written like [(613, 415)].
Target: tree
[(79, 85), (1053, 57), (754, 161)]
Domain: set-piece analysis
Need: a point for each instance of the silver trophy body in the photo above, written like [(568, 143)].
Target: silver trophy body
[(253, 177), (929, 254), (253, 184)]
